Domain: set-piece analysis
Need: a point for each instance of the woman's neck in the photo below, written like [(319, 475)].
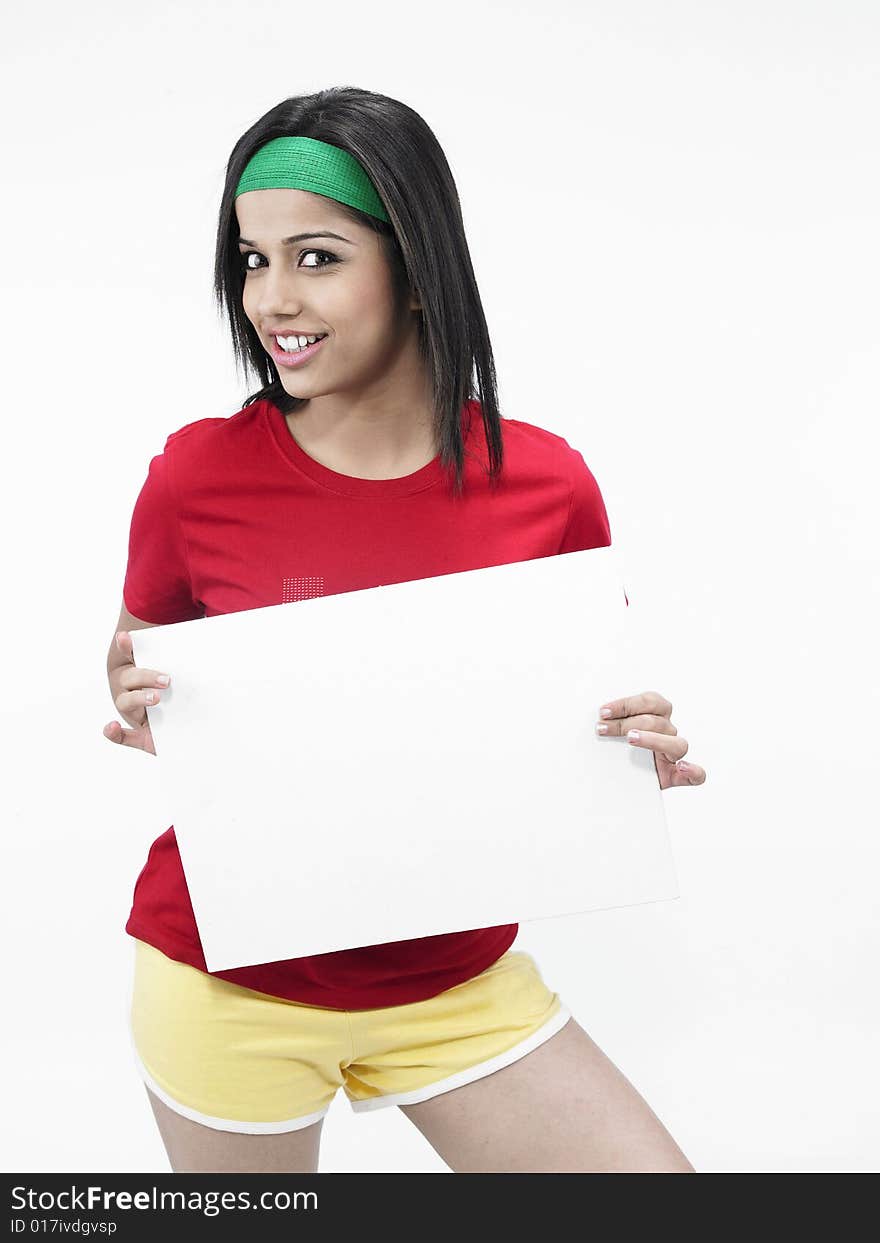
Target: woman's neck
[(365, 445)]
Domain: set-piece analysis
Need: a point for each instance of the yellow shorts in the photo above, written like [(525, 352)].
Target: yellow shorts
[(235, 1059)]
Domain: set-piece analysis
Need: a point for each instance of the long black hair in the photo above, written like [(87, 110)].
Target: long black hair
[(424, 244)]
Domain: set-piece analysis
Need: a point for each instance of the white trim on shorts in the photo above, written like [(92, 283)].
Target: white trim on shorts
[(223, 1124), (458, 1080), (461, 1077), (216, 1124)]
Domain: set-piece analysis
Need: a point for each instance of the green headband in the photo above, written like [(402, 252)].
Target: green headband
[(309, 164)]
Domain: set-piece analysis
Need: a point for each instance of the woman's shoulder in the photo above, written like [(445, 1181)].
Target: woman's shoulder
[(536, 441), (201, 434), (196, 428)]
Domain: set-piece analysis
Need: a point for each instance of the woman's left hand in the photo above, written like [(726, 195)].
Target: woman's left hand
[(648, 717)]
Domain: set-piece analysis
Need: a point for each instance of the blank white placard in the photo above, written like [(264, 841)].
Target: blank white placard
[(407, 760)]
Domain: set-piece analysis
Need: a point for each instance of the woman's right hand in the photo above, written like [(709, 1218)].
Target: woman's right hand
[(131, 688)]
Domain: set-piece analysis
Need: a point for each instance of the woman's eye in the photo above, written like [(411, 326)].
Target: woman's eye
[(330, 258), (246, 266)]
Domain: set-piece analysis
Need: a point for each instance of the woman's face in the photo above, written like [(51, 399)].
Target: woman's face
[(340, 285)]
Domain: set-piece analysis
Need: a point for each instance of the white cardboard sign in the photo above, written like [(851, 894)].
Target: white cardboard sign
[(407, 760)]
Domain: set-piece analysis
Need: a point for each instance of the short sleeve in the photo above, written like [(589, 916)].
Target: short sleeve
[(157, 584), (587, 525)]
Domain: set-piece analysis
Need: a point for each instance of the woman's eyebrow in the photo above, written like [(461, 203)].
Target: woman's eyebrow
[(300, 237)]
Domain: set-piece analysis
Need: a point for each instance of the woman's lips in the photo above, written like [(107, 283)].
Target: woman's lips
[(294, 358)]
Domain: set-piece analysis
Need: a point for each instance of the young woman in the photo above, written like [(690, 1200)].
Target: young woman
[(366, 458)]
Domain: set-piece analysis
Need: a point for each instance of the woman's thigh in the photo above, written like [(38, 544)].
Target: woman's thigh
[(238, 1080), (193, 1148), (562, 1108)]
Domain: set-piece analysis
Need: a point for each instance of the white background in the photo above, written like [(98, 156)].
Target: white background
[(683, 198)]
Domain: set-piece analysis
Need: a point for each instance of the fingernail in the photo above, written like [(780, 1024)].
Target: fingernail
[(605, 712), (601, 729), (150, 696), (683, 765), (162, 679), (633, 735)]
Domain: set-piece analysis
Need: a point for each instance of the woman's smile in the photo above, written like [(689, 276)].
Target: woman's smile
[(294, 358)]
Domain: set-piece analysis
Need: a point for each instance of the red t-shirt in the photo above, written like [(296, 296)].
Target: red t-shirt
[(235, 515)]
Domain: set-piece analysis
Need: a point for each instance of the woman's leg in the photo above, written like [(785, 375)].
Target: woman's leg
[(193, 1148), (563, 1108), (229, 1071)]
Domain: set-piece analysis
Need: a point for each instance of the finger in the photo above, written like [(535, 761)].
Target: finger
[(648, 702), (132, 705), (127, 737), (672, 748), (616, 729), (688, 773), (133, 678), (125, 645), (118, 734)]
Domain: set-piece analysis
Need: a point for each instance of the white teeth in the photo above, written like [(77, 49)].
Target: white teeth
[(292, 344)]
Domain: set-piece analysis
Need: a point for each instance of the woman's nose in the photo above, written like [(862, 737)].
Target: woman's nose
[(277, 295)]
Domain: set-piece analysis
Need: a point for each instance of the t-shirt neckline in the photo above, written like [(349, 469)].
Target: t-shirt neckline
[(349, 485)]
